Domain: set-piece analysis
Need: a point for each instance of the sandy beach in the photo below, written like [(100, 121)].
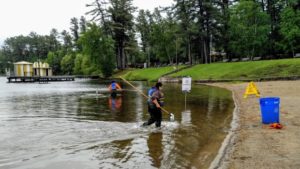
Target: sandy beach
[(253, 145)]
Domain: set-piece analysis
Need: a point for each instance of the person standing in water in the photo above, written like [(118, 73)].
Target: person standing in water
[(150, 92), (154, 106), (113, 87)]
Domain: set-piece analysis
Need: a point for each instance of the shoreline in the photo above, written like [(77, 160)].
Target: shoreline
[(225, 150), (251, 144)]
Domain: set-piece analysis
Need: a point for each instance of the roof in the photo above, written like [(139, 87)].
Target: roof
[(22, 63)]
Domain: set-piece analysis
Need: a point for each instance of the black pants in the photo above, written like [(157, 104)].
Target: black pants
[(113, 93), (155, 116)]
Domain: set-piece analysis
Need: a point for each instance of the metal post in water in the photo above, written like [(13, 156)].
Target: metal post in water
[(186, 87), (185, 100)]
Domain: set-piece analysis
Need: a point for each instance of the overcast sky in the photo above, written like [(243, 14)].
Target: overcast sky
[(20, 17)]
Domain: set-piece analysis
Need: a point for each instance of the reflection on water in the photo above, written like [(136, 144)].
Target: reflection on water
[(115, 103), (155, 146), (76, 125)]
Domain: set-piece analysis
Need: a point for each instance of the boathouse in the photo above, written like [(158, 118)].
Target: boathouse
[(23, 69), (35, 72), (41, 69), (27, 69)]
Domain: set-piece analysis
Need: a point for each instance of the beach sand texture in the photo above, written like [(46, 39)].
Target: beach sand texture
[(255, 145)]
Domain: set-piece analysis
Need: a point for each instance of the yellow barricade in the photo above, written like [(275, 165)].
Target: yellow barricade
[(251, 89)]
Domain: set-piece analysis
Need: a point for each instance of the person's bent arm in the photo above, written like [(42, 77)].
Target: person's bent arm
[(156, 103), (118, 86)]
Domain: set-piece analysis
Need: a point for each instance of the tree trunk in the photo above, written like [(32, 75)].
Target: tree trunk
[(169, 57), (207, 40), (189, 52), (271, 12), (202, 56), (226, 28), (119, 57), (201, 31), (205, 52), (123, 58), (262, 5), (148, 54), (208, 49), (293, 51)]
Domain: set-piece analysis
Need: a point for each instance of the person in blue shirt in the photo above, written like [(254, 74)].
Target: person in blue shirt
[(151, 91), (154, 104), (113, 87)]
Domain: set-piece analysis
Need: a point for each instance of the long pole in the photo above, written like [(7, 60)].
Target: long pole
[(145, 95)]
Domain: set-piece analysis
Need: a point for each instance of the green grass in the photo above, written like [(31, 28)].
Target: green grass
[(149, 74), (243, 70), (122, 72), (221, 71)]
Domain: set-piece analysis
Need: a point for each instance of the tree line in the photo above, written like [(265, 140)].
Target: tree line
[(119, 36)]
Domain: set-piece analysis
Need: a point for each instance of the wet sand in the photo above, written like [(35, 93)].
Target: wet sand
[(251, 144)]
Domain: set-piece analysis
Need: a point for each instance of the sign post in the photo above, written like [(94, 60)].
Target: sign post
[(186, 87)]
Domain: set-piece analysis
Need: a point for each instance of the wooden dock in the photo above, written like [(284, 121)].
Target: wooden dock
[(87, 76), (40, 79)]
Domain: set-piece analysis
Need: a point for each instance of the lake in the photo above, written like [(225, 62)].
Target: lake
[(77, 125)]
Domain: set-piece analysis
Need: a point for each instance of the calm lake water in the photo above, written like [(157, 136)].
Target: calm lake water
[(67, 125)]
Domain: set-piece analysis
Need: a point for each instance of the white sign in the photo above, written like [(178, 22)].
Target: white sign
[(186, 84)]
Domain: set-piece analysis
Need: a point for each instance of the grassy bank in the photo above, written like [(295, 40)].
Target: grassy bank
[(150, 74), (243, 70), (222, 71)]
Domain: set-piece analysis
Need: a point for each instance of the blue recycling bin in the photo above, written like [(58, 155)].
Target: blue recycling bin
[(269, 107)]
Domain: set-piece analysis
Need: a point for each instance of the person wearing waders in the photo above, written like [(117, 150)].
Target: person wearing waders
[(113, 87), (154, 105)]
